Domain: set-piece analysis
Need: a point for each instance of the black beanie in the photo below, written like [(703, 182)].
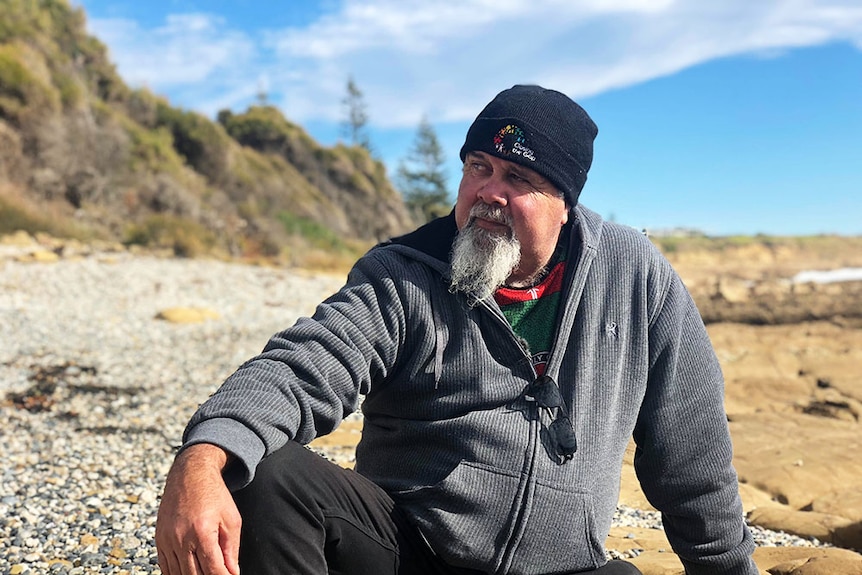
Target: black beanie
[(541, 129)]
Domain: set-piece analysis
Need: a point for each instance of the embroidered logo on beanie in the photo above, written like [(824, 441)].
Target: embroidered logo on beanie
[(511, 140)]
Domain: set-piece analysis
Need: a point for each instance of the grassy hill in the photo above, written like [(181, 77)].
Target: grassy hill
[(84, 155)]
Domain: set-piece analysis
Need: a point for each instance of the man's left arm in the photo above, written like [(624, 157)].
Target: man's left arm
[(684, 452)]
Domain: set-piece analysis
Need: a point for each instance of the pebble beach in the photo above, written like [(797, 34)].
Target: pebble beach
[(96, 387)]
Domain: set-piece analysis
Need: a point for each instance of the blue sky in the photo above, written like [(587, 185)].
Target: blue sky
[(730, 116)]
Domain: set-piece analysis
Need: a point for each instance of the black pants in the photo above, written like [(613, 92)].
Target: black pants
[(305, 515)]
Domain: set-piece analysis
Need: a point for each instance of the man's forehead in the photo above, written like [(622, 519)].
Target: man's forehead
[(517, 168)]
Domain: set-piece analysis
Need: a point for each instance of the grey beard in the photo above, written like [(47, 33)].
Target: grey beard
[(481, 262)]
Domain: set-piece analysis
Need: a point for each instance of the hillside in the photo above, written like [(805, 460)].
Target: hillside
[(84, 155)]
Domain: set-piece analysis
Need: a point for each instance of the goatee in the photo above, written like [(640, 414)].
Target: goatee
[(481, 261)]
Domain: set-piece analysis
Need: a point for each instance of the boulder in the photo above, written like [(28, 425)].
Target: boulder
[(834, 529), (187, 314), (808, 561)]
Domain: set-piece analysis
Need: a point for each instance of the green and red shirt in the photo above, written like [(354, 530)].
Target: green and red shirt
[(532, 312)]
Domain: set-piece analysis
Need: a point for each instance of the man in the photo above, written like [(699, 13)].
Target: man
[(506, 354)]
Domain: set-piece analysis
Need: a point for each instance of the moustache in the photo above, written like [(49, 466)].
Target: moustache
[(494, 214)]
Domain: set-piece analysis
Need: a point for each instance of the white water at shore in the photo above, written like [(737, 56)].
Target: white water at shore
[(828, 276)]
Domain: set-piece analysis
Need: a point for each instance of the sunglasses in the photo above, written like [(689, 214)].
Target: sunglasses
[(546, 393)]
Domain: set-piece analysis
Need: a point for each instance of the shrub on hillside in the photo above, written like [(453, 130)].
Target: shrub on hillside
[(316, 234), (152, 151), (21, 87), (203, 143), (58, 32), (142, 106), (183, 237), (262, 128), (13, 165), (266, 130), (17, 214)]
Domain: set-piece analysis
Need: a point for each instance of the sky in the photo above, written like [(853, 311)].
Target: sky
[(722, 116)]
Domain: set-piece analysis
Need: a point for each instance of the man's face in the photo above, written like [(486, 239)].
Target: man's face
[(533, 208)]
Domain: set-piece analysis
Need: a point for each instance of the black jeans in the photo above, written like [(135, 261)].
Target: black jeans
[(304, 515)]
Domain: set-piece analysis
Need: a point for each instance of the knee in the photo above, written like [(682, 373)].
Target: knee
[(292, 472), (281, 466), (279, 477)]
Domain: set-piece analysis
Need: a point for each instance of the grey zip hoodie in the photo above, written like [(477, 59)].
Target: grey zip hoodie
[(450, 434)]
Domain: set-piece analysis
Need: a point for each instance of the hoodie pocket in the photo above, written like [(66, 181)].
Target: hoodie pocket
[(559, 534), (467, 517)]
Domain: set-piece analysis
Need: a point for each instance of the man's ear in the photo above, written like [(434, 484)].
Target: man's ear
[(565, 218)]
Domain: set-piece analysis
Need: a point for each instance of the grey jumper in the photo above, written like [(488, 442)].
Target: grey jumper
[(449, 432)]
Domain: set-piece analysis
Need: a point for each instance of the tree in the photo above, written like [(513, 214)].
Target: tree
[(421, 176), (355, 125)]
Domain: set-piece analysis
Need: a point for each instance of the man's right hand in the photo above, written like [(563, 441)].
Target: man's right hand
[(198, 526)]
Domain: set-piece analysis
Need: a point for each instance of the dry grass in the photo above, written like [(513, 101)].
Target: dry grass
[(18, 213)]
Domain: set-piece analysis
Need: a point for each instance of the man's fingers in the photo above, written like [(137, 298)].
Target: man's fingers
[(200, 568), (229, 543), (209, 560), (196, 553), (188, 565), (168, 564)]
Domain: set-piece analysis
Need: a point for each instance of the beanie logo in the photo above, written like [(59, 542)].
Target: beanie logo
[(511, 141)]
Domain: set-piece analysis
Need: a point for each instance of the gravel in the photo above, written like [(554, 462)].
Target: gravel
[(95, 392)]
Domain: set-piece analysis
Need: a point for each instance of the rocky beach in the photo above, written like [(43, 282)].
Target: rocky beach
[(105, 353)]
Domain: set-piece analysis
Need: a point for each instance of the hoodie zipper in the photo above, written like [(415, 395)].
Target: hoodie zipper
[(527, 484), (577, 279)]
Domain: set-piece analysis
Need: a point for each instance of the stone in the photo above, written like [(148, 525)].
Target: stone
[(808, 561), (843, 502), (833, 529), (187, 314), (638, 539), (89, 539), (19, 238), (788, 455), (39, 256)]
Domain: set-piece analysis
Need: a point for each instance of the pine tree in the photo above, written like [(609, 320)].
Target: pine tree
[(356, 123), (422, 178)]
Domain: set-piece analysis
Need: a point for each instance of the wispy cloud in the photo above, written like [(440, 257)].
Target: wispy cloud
[(417, 27), (189, 53), (412, 58)]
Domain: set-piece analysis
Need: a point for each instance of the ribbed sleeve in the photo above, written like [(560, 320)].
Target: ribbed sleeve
[(684, 454), (308, 377)]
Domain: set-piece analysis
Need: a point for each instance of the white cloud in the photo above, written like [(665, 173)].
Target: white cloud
[(414, 57), (190, 51), (420, 26)]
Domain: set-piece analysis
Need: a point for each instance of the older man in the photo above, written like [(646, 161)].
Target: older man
[(506, 354)]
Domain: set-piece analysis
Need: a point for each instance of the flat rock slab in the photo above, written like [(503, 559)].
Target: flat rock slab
[(654, 556), (187, 314)]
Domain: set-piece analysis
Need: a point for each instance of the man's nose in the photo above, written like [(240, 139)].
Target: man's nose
[(493, 191)]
